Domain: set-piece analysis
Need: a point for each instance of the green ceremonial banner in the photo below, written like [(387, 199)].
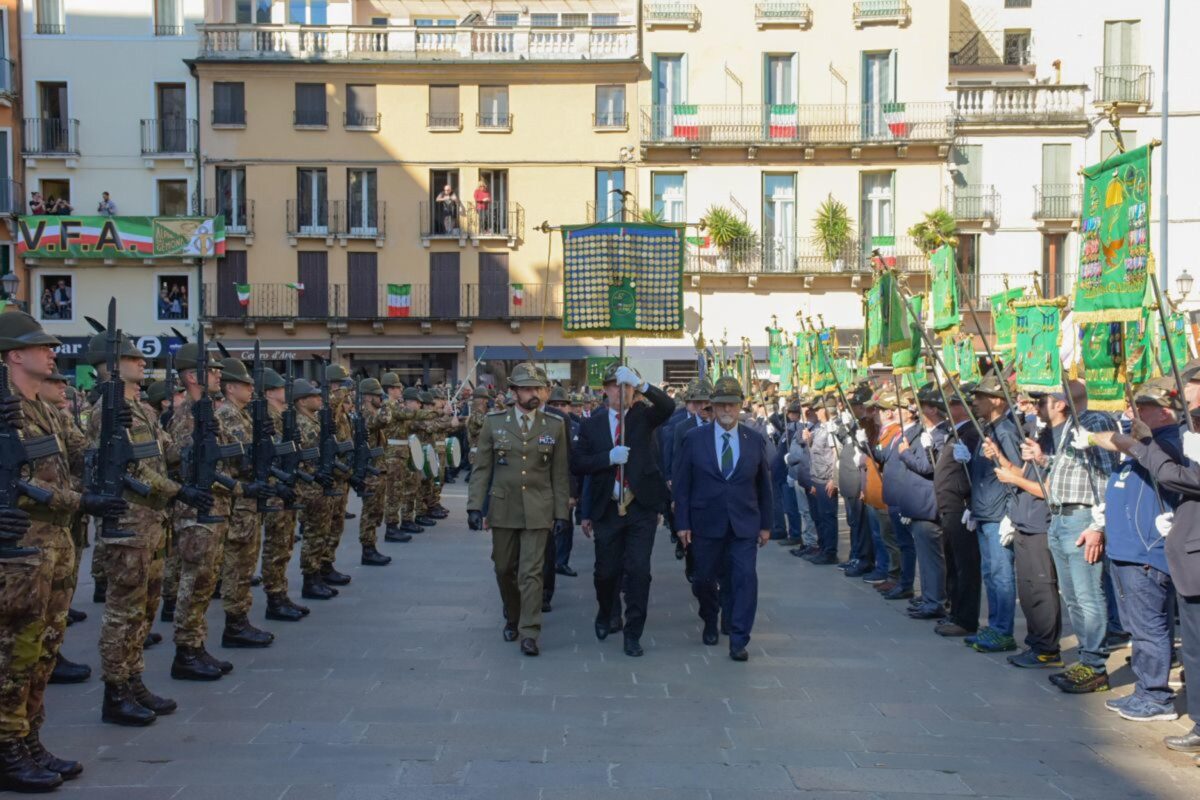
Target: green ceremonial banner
[(1177, 334), (623, 279), (786, 368), (1038, 329), (51, 237), (824, 347), (843, 372), (895, 326), (775, 353), (1139, 351), (803, 364), (1003, 319), (596, 367), (968, 362), (906, 360), (1102, 366), (950, 354), (1114, 251), (873, 316), (944, 294)]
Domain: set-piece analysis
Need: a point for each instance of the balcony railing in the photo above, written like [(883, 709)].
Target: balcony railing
[(443, 121), (412, 43), (975, 203), (664, 14), (361, 121), (12, 198), (782, 12), (628, 212), (881, 11), (6, 78), (169, 136), (494, 120), (1020, 105), (168, 30), (797, 256), (495, 221), (230, 117), (617, 120), (359, 219), (997, 48), (1060, 201), (314, 221), (1124, 83), (310, 118), (791, 124), (50, 137), (279, 302), (50, 28), (239, 216)]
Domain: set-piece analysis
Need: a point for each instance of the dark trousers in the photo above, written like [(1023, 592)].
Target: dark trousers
[(778, 518), (1037, 591), (908, 550), (736, 558), (548, 574), (1147, 597), (563, 544), (623, 549), (860, 531), (825, 518), (964, 579), (1189, 653), (791, 510)]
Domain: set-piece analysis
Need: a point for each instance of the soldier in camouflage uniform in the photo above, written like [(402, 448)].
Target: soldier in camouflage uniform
[(200, 544), (398, 464), (134, 565), (475, 424), (279, 534), (379, 419), (431, 430), (342, 400), (243, 538), (417, 419), (312, 497), (157, 395), (35, 589)]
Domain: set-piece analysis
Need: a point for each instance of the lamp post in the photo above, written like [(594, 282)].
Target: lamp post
[(1184, 284), (10, 283)]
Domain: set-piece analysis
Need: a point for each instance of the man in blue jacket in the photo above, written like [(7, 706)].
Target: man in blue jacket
[(918, 502), (722, 493)]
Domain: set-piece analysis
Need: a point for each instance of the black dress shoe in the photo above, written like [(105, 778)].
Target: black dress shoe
[(332, 577), (529, 647), (601, 630), (70, 770), (75, 615), (373, 558), (915, 614), (711, 637), (349, 515), (616, 624), (510, 632), (315, 589), (739, 655), (633, 647), (396, 535), (66, 671), (1188, 743), (566, 570), (679, 551)]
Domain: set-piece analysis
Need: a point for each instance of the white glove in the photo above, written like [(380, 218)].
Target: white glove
[(791, 482), (831, 427), (860, 460), (1098, 517), (860, 436), (771, 430), (1081, 439), (926, 440), (906, 521), (962, 454), (846, 418), (1164, 522), (618, 455), (1007, 532), (1191, 446), (628, 377), (967, 520), (787, 459)]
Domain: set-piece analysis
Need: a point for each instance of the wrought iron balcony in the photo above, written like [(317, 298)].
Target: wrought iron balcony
[(782, 12), (975, 203), (797, 256), (1032, 104), (895, 12), (359, 219), (494, 120), (170, 136), (995, 48), (462, 221), (662, 15), (310, 220), (408, 43), (361, 121), (1056, 201), (12, 198), (310, 118), (797, 125), (239, 216), (50, 137), (443, 121), (1124, 84)]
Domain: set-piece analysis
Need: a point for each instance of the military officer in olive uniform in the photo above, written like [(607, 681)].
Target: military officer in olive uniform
[(521, 477)]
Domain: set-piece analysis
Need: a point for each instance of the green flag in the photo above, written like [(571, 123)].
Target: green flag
[(1177, 335), (1003, 318), (950, 354), (907, 359), (944, 292), (1140, 363), (803, 365), (1114, 251), (895, 328), (775, 352), (968, 362), (786, 367), (1037, 327), (824, 348), (1103, 370), (873, 316)]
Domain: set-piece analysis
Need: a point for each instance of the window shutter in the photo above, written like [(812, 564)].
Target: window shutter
[(360, 100), (443, 100)]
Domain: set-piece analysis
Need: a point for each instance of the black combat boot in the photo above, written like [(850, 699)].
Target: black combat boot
[(66, 671), (208, 658), (256, 580), (159, 705), (217, 591), (278, 609), (168, 610), (20, 773), (425, 522), (302, 609), (75, 615), (189, 666), (121, 709), (315, 589), (394, 534), (411, 527), (240, 633), (152, 638), (332, 577), (70, 770), (100, 592), (373, 558)]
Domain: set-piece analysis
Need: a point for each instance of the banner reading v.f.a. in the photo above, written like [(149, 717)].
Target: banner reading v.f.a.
[(51, 237)]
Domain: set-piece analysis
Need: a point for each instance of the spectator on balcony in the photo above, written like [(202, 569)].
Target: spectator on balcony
[(36, 204), (62, 298), (448, 205), (58, 206), (483, 206), (49, 309), (107, 207)]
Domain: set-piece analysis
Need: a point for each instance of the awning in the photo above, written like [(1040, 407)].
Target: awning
[(282, 349)]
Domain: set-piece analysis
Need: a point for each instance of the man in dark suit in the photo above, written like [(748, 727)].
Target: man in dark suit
[(722, 492), (627, 493), (699, 411)]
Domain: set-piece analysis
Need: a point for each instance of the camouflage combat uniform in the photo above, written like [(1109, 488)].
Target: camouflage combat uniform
[(337, 512), (378, 422), (279, 536), (244, 531), (398, 465), (315, 516), (474, 426)]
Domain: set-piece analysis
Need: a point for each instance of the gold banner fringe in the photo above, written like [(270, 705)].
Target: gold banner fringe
[(602, 333)]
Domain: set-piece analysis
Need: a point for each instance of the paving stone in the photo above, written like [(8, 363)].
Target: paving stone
[(917, 782)]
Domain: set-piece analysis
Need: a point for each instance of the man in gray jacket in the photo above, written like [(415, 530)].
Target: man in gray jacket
[(799, 464), (824, 447)]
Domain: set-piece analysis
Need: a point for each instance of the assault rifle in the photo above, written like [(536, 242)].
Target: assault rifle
[(290, 463), (364, 454), (264, 449), (201, 457), (330, 448), (110, 469), (169, 384), (15, 455)]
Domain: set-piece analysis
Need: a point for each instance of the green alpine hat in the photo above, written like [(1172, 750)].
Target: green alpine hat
[(157, 392), (1160, 391), (370, 386), (58, 377), (336, 373), (234, 370), (526, 375), (559, 395), (390, 380), (98, 344), (272, 379), (19, 330), (610, 374), (412, 393), (426, 398), (990, 386), (701, 392), (302, 389), (727, 390), (186, 355)]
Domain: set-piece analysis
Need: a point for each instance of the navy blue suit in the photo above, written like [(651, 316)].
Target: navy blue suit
[(724, 516)]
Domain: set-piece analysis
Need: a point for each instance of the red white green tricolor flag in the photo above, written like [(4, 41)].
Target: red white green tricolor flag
[(299, 287), (399, 299), (518, 294), (686, 121), (783, 121), (243, 293)]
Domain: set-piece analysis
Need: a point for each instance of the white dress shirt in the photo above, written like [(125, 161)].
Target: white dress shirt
[(734, 445)]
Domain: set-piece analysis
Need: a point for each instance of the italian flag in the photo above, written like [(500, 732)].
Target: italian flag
[(518, 294), (783, 121), (299, 287), (399, 299), (243, 293), (686, 121), (893, 115), (886, 245)]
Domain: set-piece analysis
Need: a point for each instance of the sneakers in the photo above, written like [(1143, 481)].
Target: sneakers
[(1140, 709), (992, 641), (1031, 659), (1080, 679), (951, 629), (875, 578), (1117, 703)]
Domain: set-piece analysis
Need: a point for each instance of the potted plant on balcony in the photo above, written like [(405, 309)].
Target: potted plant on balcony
[(733, 237), (652, 217), (936, 229), (832, 230)]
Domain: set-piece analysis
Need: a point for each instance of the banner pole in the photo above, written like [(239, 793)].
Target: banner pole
[(1162, 317)]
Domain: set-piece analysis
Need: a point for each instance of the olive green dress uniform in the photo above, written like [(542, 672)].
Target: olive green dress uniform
[(523, 479)]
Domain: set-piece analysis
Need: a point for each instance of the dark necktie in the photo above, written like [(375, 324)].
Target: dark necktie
[(726, 457)]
